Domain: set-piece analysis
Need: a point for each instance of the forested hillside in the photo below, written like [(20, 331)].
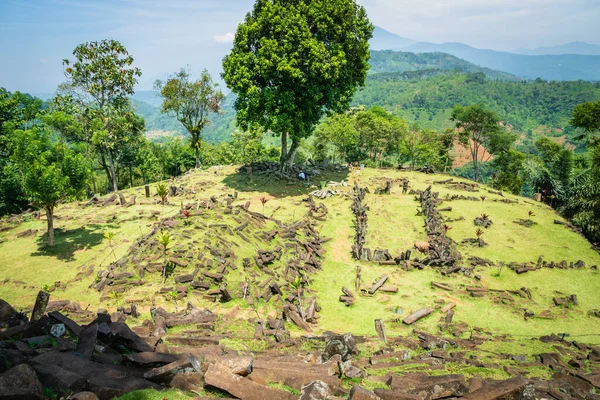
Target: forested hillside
[(532, 108), (398, 61)]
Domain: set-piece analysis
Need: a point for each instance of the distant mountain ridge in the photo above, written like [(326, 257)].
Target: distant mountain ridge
[(581, 48), (559, 67)]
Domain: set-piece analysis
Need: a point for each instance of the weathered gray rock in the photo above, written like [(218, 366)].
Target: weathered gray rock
[(59, 379), (358, 393), (20, 383), (317, 390), (150, 359), (344, 345), (164, 374)]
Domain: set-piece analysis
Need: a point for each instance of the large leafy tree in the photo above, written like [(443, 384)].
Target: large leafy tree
[(293, 61), (191, 102), (101, 78), (51, 171), (481, 131)]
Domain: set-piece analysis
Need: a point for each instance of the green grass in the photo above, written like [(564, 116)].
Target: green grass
[(393, 224)]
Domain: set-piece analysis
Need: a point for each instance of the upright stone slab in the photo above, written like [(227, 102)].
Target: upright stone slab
[(41, 302)]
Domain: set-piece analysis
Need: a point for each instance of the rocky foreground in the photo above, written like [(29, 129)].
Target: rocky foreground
[(49, 354)]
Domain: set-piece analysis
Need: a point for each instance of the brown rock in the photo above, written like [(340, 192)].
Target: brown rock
[(358, 393), (510, 389), (317, 390), (59, 379), (20, 383), (243, 388), (164, 374), (435, 386), (150, 359), (188, 382), (84, 396)]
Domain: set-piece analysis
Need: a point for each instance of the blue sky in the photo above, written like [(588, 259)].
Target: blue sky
[(163, 35)]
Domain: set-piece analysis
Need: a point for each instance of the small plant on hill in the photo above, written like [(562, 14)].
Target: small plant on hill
[(479, 232), (530, 214), (116, 297), (162, 191), (187, 214), (446, 228), (297, 284), (164, 238), (483, 198), (173, 295), (483, 220), (110, 235), (264, 201), (46, 288)]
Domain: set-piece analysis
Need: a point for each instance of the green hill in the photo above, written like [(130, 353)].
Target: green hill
[(397, 61), (82, 253), (423, 88), (427, 97)]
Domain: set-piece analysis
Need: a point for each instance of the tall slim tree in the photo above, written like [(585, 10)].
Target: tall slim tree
[(293, 61), (481, 131), (102, 78), (191, 102)]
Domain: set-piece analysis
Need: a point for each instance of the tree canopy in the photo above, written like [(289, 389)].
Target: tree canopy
[(191, 102), (293, 61), (100, 81)]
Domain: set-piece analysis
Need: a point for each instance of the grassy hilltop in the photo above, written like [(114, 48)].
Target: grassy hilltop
[(82, 251)]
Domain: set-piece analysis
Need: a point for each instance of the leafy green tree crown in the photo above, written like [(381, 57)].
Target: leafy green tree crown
[(294, 60)]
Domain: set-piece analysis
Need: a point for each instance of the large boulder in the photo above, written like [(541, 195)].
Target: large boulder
[(343, 345), (9, 316), (243, 388), (317, 390), (59, 379), (20, 383)]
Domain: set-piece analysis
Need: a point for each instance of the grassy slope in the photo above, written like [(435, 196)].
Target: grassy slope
[(393, 224)]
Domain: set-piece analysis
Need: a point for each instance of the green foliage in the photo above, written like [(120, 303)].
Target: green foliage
[(508, 166), (99, 82), (421, 147), (293, 61), (480, 131), (399, 62), (190, 102), (587, 116), (50, 172), (358, 135), (428, 98), (162, 191)]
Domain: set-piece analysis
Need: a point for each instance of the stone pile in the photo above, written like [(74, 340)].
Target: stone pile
[(360, 223), (442, 250)]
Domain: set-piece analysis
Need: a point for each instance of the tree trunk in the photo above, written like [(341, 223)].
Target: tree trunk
[(197, 157), (130, 177), (104, 165), (288, 161), (115, 186), (283, 157), (476, 163), (50, 219)]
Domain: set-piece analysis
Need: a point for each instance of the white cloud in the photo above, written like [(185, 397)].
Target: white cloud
[(226, 38)]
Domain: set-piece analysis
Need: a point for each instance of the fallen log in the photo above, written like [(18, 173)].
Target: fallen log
[(448, 307), (378, 284), (441, 286), (417, 315)]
